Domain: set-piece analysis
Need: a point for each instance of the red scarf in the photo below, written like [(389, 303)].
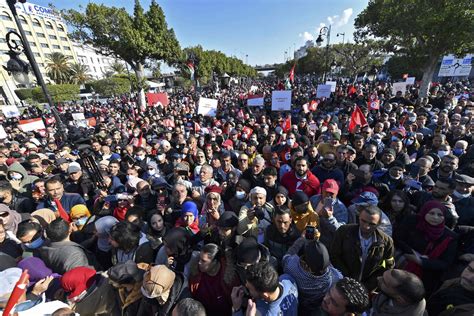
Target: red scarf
[(194, 227)]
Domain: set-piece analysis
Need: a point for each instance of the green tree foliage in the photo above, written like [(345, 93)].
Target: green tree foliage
[(420, 29), (351, 58), (110, 87), (58, 68), (24, 94), (397, 66), (79, 74), (211, 60), (117, 67), (133, 38), (58, 92)]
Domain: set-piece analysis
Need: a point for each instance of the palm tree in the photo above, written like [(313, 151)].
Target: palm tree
[(58, 68), (79, 74), (117, 67)]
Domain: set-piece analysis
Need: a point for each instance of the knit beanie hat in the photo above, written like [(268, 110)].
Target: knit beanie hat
[(316, 256)]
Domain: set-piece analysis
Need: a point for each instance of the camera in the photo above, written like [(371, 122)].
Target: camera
[(259, 213)]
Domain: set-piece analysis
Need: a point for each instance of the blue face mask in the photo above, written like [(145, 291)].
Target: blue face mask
[(81, 221), (458, 151), (35, 244)]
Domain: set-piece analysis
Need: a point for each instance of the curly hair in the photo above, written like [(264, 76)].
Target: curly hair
[(355, 294), (126, 234)]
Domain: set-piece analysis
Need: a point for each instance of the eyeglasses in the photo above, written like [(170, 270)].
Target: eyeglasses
[(243, 160)]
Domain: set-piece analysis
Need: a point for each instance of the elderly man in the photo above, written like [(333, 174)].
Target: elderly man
[(254, 174), (255, 215), (205, 180)]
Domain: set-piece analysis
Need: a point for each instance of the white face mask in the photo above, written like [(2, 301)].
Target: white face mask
[(290, 142), (16, 176), (152, 172), (459, 195), (161, 157), (130, 177), (240, 195), (442, 153)]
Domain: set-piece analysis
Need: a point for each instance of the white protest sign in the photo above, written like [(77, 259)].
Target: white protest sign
[(332, 84), (399, 86), (78, 116), (281, 100), (207, 107), (3, 134), (31, 125), (323, 91), (410, 80), (455, 67), (10, 111), (255, 100)]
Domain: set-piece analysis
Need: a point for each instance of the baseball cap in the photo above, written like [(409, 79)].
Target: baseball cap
[(331, 186)]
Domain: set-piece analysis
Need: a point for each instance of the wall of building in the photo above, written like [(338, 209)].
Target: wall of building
[(98, 64), (45, 31)]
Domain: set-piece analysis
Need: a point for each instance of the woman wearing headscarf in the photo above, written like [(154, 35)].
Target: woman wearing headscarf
[(189, 218), (89, 293), (156, 230), (42, 279), (176, 252), (103, 253), (127, 279), (10, 219), (83, 228), (162, 290), (43, 216), (213, 206), (242, 190), (428, 246), (80, 215)]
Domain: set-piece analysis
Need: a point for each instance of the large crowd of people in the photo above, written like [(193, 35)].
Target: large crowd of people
[(249, 212)]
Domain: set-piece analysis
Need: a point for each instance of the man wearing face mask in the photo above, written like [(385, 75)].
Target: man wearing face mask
[(284, 150), (463, 199)]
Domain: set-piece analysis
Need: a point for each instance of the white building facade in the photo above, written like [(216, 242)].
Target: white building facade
[(98, 64)]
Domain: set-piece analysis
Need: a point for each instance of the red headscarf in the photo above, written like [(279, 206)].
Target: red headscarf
[(77, 280), (431, 232)]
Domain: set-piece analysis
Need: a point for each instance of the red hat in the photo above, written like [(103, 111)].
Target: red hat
[(213, 189), (228, 143), (77, 280), (331, 186)]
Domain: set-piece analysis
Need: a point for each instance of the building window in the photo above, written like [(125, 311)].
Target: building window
[(67, 47), (53, 37), (56, 47), (36, 23), (47, 55), (23, 20), (40, 35), (92, 59), (32, 43), (44, 45), (49, 26), (2, 40), (95, 70), (28, 33), (10, 29), (61, 28), (5, 16), (63, 38), (37, 54)]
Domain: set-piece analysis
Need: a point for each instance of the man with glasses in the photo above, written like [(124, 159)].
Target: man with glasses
[(368, 157), (362, 251), (243, 162), (328, 169)]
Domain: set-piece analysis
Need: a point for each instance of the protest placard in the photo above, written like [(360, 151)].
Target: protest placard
[(455, 67), (332, 84), (3, 134), (255, 100), (78, 116), (207, 107), (31, 125), (410, 80), (10, 111), (281, 100), (323, 91), (399, 86)]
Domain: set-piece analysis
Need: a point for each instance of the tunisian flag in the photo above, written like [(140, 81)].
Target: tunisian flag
[(357, 118), (286, 124), (292, 73)]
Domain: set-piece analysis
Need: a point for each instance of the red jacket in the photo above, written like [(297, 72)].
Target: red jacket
[(310, 185)]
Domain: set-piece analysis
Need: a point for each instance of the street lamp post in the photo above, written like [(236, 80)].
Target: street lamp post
[(324, 31), (343, 36), (15, 62)]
